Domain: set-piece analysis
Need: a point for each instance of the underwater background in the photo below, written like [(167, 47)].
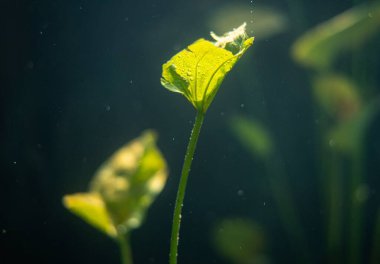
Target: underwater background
[(278, 176)]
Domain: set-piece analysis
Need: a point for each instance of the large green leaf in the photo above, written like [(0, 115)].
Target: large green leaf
[(197, 71), (319, 47)]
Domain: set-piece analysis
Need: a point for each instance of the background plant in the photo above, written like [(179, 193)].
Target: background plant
[(346, 108), (122, 190)]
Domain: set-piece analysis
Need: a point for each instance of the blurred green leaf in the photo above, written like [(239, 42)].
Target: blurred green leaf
[(241, 241), (125, 186), (348, 136), (253, 136), (198, 71), (337, 95), (91, 208), (319, 47)]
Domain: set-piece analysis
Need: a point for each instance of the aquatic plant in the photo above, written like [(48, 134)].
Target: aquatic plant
[(347, 110), (122, 190), (197, 73), (256, 138)]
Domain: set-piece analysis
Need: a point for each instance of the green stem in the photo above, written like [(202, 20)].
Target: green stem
[(375, 254), (335, 209), (125, 248), (182, 186), (288, 213), (357, 208)]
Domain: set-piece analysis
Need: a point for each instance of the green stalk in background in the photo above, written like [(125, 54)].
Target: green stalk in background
[(358, 197), (375, 249), (335, 193), (197, 73), (257, 139)]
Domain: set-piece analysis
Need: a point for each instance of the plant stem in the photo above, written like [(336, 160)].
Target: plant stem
[(375, 255), (182, 187), (284, 199), (335, 209), (125, 248), (357, 208)]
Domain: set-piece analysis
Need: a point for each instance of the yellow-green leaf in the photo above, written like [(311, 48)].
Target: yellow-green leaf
[(91, 208), (129, 181), (123, 187), (197, 71)]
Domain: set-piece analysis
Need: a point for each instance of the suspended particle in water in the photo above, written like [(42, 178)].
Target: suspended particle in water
[(251, 11), (240, 192), (108, 108)]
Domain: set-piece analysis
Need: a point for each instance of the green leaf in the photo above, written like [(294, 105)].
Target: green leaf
[(241, 241), (130, 180), (253, 136), (348, 137), (123, 188), (320, 46), (198, 71), (337, 95), (91, 208)]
